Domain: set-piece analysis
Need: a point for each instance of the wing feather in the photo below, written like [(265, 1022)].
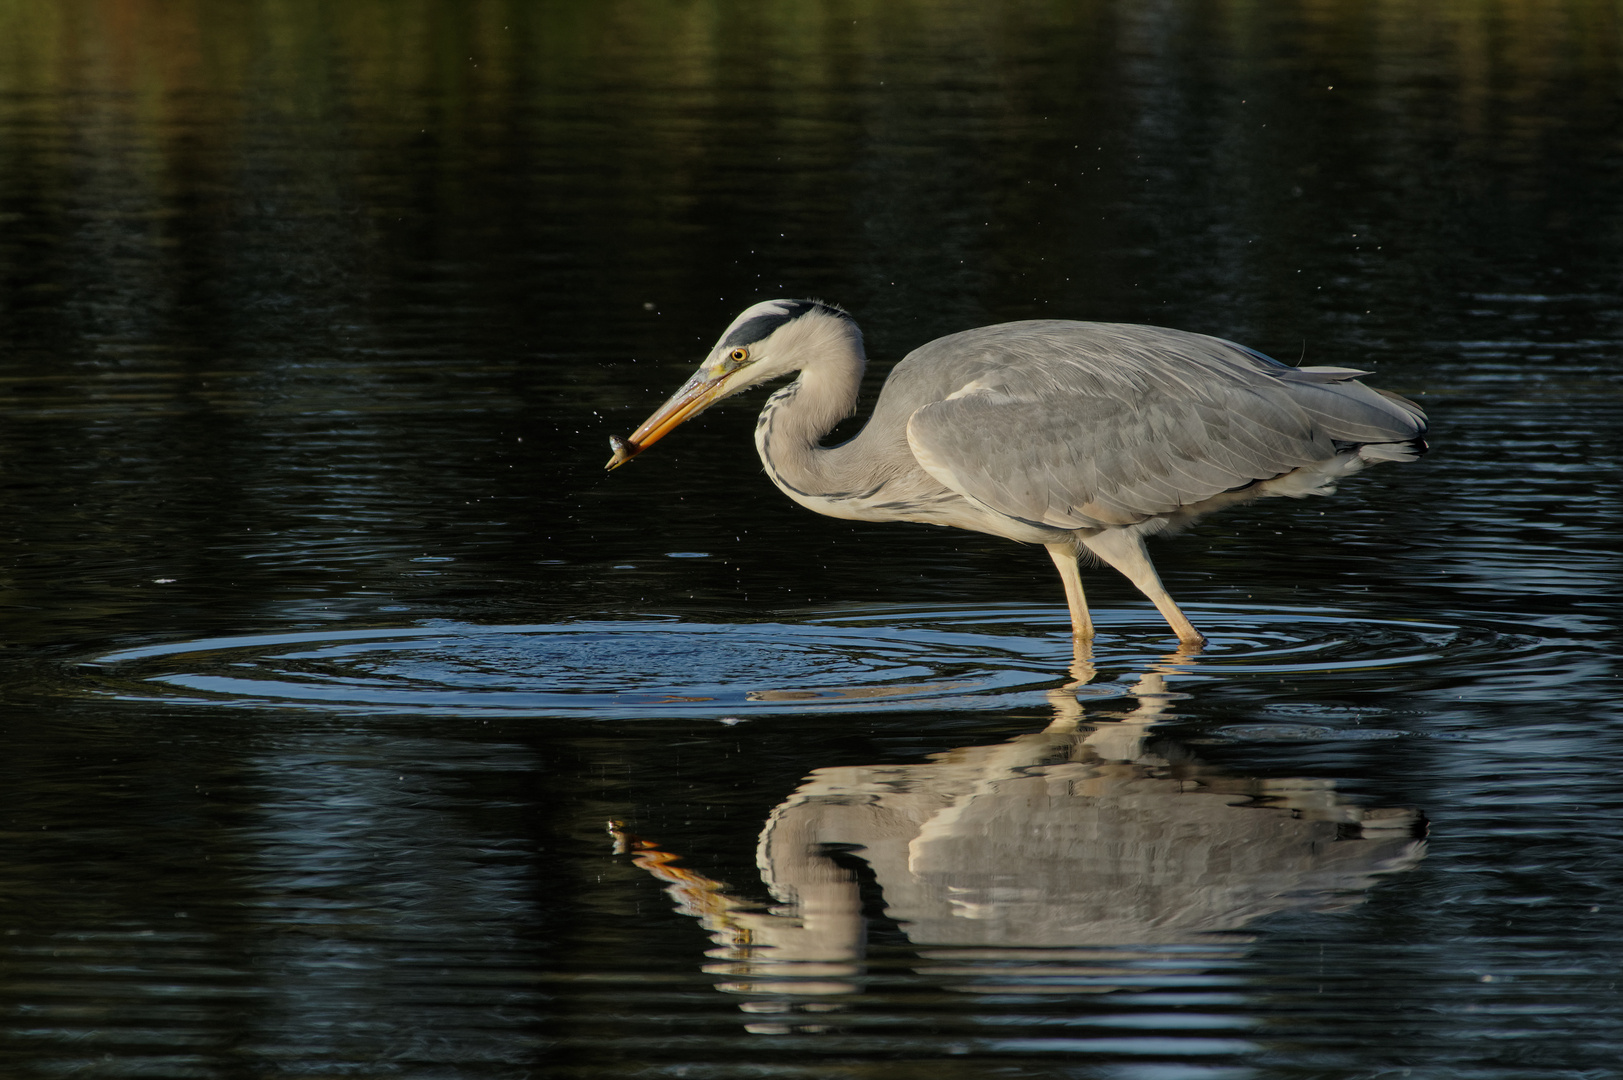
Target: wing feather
[(1088, 425)]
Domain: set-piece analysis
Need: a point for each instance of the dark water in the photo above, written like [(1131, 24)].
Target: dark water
[(355, 724)]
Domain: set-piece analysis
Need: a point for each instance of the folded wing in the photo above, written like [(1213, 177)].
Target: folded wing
[(1088, 425)]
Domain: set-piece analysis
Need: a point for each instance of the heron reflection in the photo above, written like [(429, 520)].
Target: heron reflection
[(1092, 834)]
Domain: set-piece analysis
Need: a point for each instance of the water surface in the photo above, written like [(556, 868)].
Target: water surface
[(354, 723)]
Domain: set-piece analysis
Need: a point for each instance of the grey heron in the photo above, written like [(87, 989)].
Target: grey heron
[(1075, 435)]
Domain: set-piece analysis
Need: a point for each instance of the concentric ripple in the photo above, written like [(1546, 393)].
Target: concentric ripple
[(952, 657)]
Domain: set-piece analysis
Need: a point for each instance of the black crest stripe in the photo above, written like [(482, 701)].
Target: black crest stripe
[(762, 326)]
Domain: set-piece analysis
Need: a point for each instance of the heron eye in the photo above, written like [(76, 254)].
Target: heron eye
[(739, 355)]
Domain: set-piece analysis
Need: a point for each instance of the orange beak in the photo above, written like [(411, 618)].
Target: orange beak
[(695, 396)]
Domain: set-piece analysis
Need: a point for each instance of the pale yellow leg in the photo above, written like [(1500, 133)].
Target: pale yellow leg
[(1125, 551), (1064, 556)]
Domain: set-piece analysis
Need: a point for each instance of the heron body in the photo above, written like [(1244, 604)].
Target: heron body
[(1074, 435)]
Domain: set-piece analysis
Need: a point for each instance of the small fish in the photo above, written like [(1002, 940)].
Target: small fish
[(623, 451)]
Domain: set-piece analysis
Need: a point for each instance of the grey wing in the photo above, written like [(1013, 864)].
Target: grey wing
[(1081, 456), (1349, 411)]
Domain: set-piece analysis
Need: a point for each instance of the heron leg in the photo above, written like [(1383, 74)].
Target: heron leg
[(1064, 556), (1125, 551)]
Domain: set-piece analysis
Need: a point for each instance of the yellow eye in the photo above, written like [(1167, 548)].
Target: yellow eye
[(739, 355)]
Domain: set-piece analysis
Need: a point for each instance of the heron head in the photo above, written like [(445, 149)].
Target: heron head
[(768, 341)]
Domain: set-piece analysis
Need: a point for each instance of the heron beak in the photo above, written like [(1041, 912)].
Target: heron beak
[(696, 395)]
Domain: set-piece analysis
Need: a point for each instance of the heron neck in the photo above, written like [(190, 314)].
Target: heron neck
[(790, 431)]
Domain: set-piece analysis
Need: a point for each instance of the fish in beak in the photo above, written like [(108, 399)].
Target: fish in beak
[(704, 389)]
